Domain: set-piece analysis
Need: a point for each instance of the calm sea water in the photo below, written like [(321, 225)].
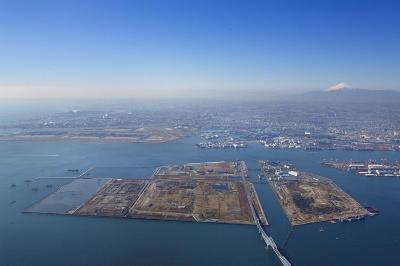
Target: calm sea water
[(32, 239)]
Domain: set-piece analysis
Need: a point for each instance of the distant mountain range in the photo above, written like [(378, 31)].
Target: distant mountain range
[(348, 95)]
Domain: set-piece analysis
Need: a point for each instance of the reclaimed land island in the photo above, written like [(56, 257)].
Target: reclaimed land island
[(129, 135), (309, 198), (197, 192), (367, 168)]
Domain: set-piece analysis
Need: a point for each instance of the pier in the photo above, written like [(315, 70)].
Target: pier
[(85, 173), (55, 177), (66, 177)]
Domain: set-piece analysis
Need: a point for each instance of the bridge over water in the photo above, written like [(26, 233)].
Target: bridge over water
[(269, 241)]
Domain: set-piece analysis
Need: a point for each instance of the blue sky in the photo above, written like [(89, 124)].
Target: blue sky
[(193, 48)]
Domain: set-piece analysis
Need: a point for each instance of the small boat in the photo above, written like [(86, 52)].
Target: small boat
[(49, 186), (372, 210), (13, 185), (332, 221), (322, 229), (359, 217)]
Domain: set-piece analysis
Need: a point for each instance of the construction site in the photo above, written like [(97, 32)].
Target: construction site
[(309, 198), (216, 170), (198, 192), (216, 192), (194, 200), (114, 199)]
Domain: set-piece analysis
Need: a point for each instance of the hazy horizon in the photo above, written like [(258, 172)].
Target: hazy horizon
[(196, 49)]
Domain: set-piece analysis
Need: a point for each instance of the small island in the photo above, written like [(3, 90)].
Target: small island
[(309, 198)]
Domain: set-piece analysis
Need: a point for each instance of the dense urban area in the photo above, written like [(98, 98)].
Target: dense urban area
[(275, 125)]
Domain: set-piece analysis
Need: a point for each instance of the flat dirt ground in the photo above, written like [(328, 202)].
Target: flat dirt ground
[(194, 200), (219, 170), (309, 202), (114, 199), (201, 192)]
